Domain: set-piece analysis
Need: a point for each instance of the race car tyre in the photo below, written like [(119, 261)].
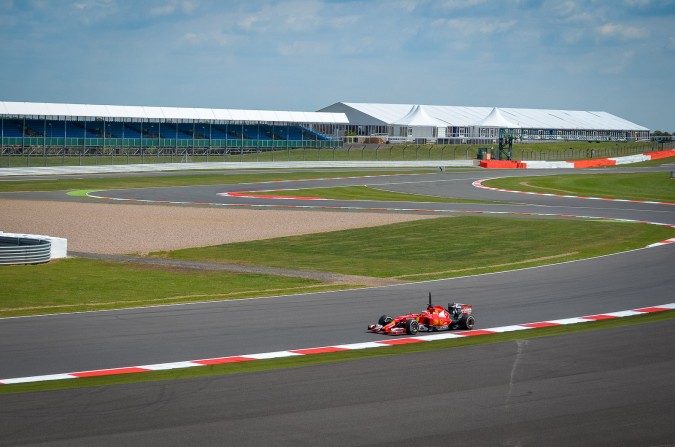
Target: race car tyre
[(411, 326), (384, 319), (467, 322)]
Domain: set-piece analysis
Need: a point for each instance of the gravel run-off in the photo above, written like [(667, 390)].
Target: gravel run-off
[(140, 229)]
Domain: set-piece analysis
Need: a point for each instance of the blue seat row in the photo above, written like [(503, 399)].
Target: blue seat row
[(115, 129)]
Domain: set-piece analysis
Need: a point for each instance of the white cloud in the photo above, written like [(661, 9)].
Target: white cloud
[(469, 27), (620, 63), (671, 44), (459, 4), (638, 3), (94, 11), (302, 48), (249, 21), (173, 6), (296, 16), (625, 32), (213, 37)]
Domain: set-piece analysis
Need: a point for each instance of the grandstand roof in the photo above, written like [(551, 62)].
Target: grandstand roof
[(35, 109), (459, 116)]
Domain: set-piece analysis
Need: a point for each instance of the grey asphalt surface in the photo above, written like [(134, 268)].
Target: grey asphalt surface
[(601, 388), (98, 340), (449, 184)]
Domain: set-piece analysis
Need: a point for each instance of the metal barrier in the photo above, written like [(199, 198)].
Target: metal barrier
[(24, 250)]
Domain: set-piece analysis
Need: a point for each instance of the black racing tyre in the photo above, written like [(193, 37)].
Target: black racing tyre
[(467, 322), (411, 326), (384, 319)]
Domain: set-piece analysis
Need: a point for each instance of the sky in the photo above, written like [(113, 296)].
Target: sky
[(616, 56)]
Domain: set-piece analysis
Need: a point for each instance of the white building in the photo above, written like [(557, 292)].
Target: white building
[(455, 124)]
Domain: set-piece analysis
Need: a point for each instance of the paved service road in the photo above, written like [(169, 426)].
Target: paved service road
[(607, 387)]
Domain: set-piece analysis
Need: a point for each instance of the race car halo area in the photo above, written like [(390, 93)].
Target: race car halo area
[(600, 387)]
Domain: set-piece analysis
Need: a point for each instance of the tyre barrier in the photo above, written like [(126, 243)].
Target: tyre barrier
[(18, 249)]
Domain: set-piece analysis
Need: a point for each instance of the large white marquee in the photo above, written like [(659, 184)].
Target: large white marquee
[(460, 116)]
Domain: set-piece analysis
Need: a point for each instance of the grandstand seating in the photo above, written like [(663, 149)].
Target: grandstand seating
[(12, 128), (55, 128), (219, 132), (164, 130)]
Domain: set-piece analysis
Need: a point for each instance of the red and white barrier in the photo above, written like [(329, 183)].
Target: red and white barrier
[(576, 164)]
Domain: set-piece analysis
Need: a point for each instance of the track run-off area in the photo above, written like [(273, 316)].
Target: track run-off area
[(604, 387)]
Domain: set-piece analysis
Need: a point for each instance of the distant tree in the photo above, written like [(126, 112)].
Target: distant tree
[(658, 133)]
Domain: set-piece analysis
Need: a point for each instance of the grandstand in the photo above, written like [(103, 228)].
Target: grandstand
[(61, 128)]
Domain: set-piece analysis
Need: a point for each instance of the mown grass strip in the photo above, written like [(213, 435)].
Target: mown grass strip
[(364, 193), (454, 246), (332, 357), (182, 179), (645, 186), (75, 285)]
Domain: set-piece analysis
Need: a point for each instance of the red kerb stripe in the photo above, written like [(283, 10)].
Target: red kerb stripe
[(540, 324), (476, 332), (599, 317), (222, 360), (310, 351), (400, 341), (652, 309), (110, 372)]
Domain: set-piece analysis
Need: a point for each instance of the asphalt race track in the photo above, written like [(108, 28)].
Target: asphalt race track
[(600, 388), (609, 387)]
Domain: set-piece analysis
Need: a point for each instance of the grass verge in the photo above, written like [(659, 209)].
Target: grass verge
[(76, 285), (364, 193), (170, 179), (319, 359), (436, 248), (646, 186)]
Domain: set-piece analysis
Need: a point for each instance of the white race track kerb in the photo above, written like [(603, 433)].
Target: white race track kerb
[(389, 341)]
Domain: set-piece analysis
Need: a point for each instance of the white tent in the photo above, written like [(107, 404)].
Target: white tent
[(464, 116), (417, 116), (497, 120), (483, 123), (417, 123)]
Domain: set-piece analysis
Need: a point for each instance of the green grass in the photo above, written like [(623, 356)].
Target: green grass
[(167, 180), (648, 186), (364, 193), (72, 284), (436, 248), (428, 249), (320, 359)]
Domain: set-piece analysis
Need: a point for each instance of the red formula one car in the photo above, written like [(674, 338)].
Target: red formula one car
[(435, 318)]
